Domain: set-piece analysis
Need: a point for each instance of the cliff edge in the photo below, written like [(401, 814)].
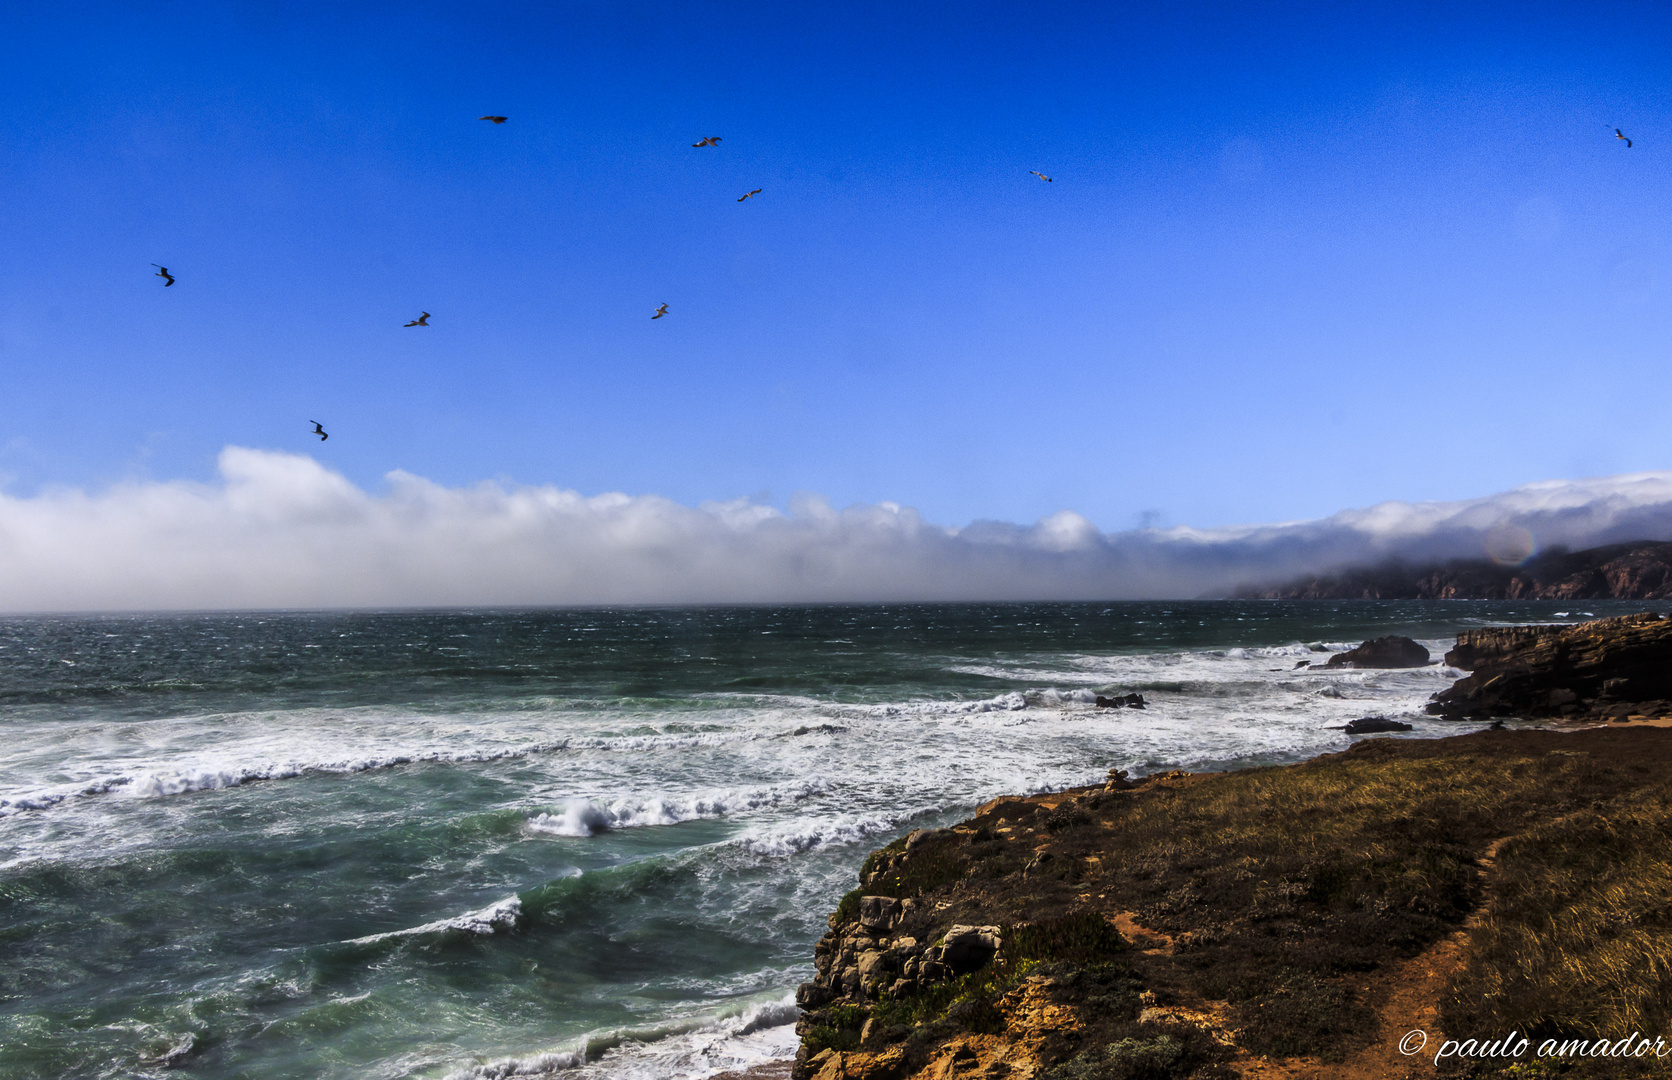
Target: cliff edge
[(1273, 922)]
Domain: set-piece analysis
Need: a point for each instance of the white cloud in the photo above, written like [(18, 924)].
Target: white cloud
[(281, 530)]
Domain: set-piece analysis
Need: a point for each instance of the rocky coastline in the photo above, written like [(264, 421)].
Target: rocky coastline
[(1611, 669), (1292, 921)]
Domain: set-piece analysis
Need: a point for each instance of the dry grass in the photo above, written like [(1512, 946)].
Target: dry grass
[(1284, 889), (1577, 939)]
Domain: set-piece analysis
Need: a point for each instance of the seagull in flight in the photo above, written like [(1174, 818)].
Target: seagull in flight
[(661, 311), (1041, 175), (162, 272), (1618, 135), (422, 320), (712, 140), (751, 194), (495, 119), (317, 430)]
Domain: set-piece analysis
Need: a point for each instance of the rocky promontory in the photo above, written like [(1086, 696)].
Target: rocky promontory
[(1270, 922), (1603, 669)]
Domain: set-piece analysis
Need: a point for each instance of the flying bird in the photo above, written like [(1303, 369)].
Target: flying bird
[(712, 140), (1618, 135), (317, 430), (1041, 175), (422, 320), (751, 195), (162, 272), (495, 119), (661, 311)]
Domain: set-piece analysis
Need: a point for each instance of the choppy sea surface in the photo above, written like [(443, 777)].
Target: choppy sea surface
[(596, 843)]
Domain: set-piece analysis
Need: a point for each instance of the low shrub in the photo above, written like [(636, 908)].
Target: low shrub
[(1127, 1059)]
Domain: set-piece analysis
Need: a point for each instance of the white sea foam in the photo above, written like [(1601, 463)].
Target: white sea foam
[(544, 1063), (798, 838), (694, 1047), (492, 919), (585, 817), (196, 772)]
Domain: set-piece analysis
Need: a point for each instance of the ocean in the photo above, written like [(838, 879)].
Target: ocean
[(595, 843)]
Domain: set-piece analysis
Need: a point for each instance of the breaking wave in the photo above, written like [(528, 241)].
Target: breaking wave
[(585, 817), (214, 775), (492, 919), (728, 1040)]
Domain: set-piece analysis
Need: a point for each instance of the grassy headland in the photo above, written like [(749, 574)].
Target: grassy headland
[(1281, 921)]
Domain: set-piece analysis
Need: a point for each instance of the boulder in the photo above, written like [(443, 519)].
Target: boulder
[(966, 948), (878, 912), (1369, 725), (1392, 651), (872, 966), (1129, 701)]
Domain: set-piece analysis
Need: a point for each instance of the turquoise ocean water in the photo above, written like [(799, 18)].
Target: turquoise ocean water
[(580, 843)]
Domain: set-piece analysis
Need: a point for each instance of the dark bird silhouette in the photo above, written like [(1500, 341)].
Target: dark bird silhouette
[(495, 119), (317, 430), (1041, 175), (162, 272), (712, 140), (751, 194), (422, 320), (1618, 135), (661, 311)]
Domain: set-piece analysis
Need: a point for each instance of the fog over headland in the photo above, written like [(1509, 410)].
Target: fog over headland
[(282, 530)]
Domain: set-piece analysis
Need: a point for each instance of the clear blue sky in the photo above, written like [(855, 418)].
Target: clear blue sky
[(1294, 257)]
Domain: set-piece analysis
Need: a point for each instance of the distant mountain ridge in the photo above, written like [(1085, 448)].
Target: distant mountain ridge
[(1633, 571)]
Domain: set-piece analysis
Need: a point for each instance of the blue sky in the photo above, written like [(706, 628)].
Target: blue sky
[(1294, 258)]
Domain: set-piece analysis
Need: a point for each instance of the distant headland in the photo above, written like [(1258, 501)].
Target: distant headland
[(1640, 570)]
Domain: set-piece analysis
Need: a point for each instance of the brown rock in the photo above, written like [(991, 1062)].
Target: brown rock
[(878, 912), (1582, 669)]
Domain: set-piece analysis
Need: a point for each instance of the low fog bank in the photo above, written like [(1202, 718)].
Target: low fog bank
[(281, 530)]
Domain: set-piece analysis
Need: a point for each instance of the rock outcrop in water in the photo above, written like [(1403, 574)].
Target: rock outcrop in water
[(1374, 725), (1607, 668), (1146, 930), (1392, 651), (1639, 571)]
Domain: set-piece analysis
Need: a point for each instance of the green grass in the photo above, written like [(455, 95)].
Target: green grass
[(838, 1029), (1084, 938)]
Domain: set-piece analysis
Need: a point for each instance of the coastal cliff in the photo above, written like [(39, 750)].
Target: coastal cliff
[(1272, 922), (1639, 571)]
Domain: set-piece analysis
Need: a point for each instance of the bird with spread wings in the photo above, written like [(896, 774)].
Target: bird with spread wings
[(712, 140), (1619, 135), (422, 320), (162, 272), (661, 311), (317, 430), (751, 194)]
